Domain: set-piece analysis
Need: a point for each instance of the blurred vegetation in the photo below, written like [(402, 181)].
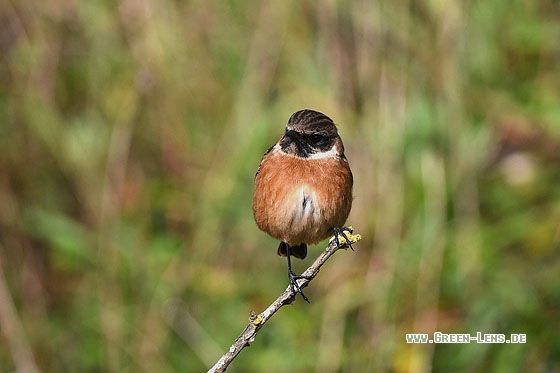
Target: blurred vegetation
[(130, 132)]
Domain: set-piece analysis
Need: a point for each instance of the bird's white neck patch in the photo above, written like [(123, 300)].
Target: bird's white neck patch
[(320, 155), (331, 153)]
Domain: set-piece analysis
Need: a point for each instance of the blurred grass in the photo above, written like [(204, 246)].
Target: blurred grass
[(130, 133)]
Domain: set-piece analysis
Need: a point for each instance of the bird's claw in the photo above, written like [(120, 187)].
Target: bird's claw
[(340, 232), (293, 282)]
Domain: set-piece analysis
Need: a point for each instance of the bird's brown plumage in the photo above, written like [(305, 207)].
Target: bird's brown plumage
[(303, 187)]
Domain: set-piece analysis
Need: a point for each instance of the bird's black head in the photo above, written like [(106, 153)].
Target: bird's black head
[(309, 132)]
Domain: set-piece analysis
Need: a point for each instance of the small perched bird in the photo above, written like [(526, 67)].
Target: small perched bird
[(303, 187)]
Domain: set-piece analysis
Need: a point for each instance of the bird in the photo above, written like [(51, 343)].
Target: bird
[(303, 187)]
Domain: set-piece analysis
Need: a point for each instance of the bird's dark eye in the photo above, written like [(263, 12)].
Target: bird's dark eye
[(317, 140)]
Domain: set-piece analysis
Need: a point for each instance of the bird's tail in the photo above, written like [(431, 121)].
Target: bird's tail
[(299, 251)]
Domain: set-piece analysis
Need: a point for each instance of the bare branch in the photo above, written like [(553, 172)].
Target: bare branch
[(256, 322)]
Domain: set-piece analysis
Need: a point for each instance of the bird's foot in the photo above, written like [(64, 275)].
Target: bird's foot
[(344, 237), (293, 282)]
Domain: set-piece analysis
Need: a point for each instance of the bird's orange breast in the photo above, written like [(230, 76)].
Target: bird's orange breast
[(299, 200)]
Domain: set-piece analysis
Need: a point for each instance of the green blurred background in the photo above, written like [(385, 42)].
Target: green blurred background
[(130, 132)]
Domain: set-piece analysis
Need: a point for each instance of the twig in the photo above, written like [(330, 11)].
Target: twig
[(256, 322)]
